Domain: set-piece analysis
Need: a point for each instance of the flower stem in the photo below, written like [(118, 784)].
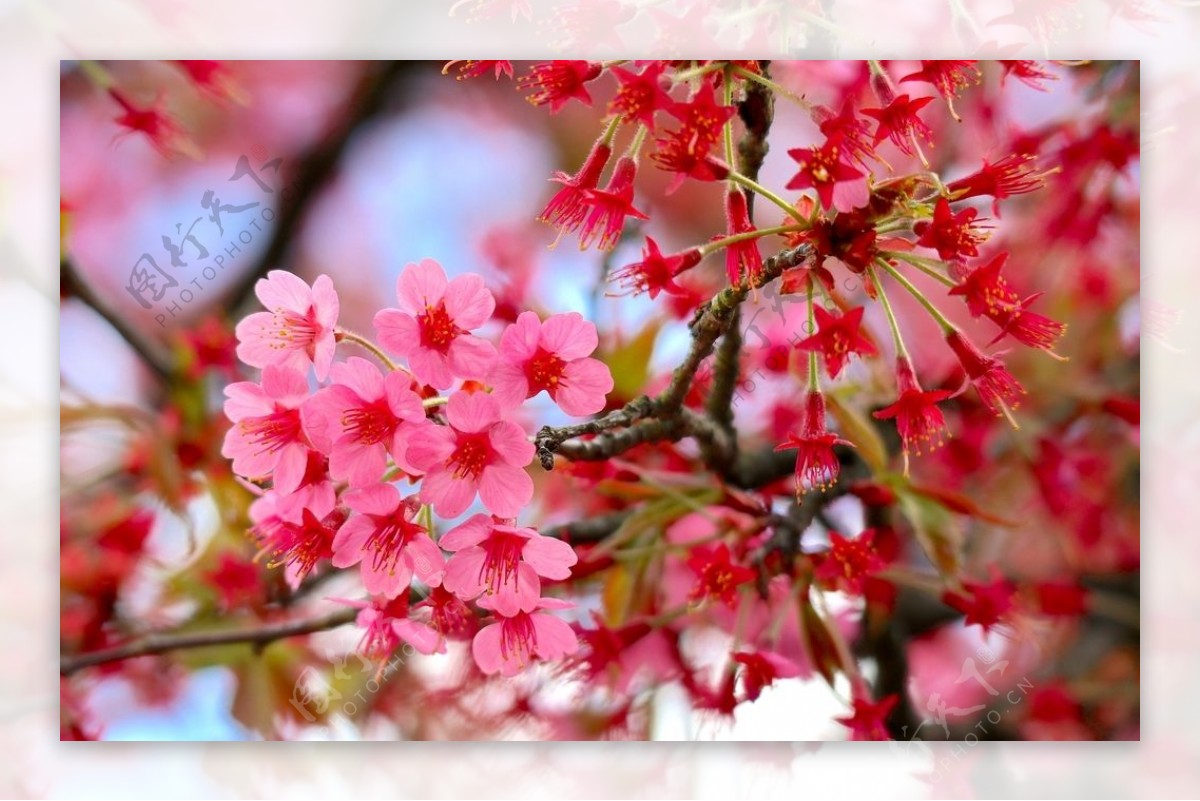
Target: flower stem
[(344, 335), (814, 378), (636, 144), (777, 88), (716, 244), (728, 128), (923, 264), (887, 309), (946, 325), (430, 403), (759, 189)]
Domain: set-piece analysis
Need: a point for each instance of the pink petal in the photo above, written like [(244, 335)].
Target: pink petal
[(519, 341), (468, 301), (285, 385), (281, 289), (569, 336), (584, 387), (555, 639), (427, 560), (256, 342), (419, 636), (510, 386), (325, 301), (359, 376), (550, 557), (508, 440), (486, 650), (471, 357), (504, 490), (376, 499), (464, 573), (357, 463), (450, 496), (472, 412), (398, 332), (323, 350), (519, 596), (290, 468), (403, 402), (381, 581), (430, 367), (321, 415), (475, 530), (429, 445), (420, 285), (350, 538), (246, 399)]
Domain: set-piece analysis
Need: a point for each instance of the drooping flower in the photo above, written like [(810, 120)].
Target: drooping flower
[(761, 668), (742, 259), (639, 95), (385, 625), (918, 419), (267, 438), (358, 419), (988, 293), (817, 466), (983, 604), (702, 118), (838, 338), (557, 82), (997, 387), (514, 642), (846, 130), (948, 77), (899, 122), (471, 68), (688, 157), (821, 169), (433, 324), (553, 356), (383, 537), (567, 209), (215, 79), (163, 131), (478, 452), (503, 561), (868, 719), (605, 209), (1015, 174), (296, 330), (849, 562), (1030, 73), (952, 235), (717, 577), (656, 273), (297, 544)]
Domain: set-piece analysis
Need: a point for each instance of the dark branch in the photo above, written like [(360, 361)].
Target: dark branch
[(259, 637)]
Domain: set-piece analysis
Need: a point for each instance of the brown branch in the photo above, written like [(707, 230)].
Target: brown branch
[(152, 354), (259, 637)]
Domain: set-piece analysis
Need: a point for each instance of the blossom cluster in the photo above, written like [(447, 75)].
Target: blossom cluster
[(364, 456)]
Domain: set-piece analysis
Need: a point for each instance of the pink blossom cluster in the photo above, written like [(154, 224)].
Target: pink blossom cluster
[(355, 460)]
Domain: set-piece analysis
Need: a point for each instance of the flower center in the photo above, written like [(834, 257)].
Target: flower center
[(294, 331), (499, 567), (517, 639), (544, 371), (388, 540), (370, 424), (470, 456), (271, 432), (437, 329)]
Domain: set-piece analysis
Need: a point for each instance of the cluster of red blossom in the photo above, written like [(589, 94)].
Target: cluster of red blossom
[(333, 456)]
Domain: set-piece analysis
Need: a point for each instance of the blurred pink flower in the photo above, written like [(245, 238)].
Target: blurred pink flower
[(513, 642)]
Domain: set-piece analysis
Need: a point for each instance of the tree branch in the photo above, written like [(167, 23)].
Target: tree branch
[(163, 643)]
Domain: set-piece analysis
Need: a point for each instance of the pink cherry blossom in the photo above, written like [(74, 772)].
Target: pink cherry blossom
[(431, 327), (297, 330), (298, 541), (357, 419), (383, 538), (513, 642), (551, 356), (267, 439), (504, 561), (385, 624), (478, 452)]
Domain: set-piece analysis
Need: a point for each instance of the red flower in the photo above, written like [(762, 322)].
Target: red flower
[(1011, 175), (742, 259), (682, 154), (817, 466), (717, 577), (760, 669), (869, 719), (820, 169), (837, 338), (236, 581), (949, 233), (703, 118), (915, 411), (847, 130), (983, 604), (948, 77), (213, 78), (849, 237), (1064, 597), (898, 121), (165, 133), (996, 386), (640, 95), (477, 69), (849, 562), (656, 273), (607, 208), (1029, 73), (557, 82), (988, 293), (567, 209)]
